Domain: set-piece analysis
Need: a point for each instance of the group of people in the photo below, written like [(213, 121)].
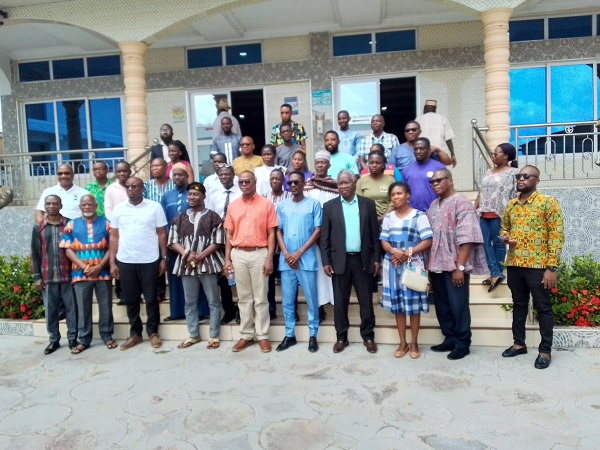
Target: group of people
[(373, 209)]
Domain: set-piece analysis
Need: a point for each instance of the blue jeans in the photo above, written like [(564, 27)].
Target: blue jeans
[(176, 295), (191, 287), (289, 289), (494, 247)]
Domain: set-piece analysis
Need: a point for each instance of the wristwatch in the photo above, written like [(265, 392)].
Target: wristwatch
[(164, 258), (461, 268), (552, 268)]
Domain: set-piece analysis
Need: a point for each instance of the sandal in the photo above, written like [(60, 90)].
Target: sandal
[(78, 349), (401, 352), (213, 343), (110, 344), (189, 342)]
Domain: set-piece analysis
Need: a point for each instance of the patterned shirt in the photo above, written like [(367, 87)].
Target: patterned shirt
[(349, 141), (454, 222), (241, 164), (48, 261), (174, 202), (155, 192), (388, 140), (298, 134), (496, 190), (89, 240), (229, 145), (98, 191), (195, 232), (538, 227)]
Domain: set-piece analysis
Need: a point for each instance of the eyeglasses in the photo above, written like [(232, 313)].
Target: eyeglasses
[(221, 165), (408, 130), (526, 176), (63, 173), (437, 180), (295, 182), (244, 182)]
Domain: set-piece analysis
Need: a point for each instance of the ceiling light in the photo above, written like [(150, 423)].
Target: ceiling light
[(243, 54), (242, 116), (384, 108)]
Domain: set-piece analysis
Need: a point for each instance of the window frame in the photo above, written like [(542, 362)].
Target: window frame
[(50, 62), (373, 34), (595, 31)]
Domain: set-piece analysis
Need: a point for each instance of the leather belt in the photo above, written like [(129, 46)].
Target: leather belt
[(248, 249)]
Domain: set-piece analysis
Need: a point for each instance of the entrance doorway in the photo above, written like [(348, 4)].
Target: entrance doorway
[(247, 106)]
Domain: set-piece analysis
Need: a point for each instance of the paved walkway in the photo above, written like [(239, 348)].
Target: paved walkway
[(203, 399)]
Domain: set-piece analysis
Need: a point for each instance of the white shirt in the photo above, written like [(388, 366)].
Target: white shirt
[(263, 174), (216, 201), (437, 129), (213, 183), (137, 224), (115, 194), (69, 198)]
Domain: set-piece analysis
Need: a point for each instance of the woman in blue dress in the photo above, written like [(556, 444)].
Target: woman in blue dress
[(404, 228)]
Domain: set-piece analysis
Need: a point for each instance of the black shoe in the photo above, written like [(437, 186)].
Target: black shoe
[(227, 318), (313, 346), (286, 343), (121, 302), (237, 316), (52, 347), (512, 351), (458, 353), (541, 362), (272, 315), (72, 344), (493, 286), (443, 347)]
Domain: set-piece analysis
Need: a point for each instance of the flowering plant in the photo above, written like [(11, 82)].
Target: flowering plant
[(576, 298), (19, 299)]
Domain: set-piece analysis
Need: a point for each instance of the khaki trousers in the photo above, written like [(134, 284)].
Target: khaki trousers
[(252, 286)]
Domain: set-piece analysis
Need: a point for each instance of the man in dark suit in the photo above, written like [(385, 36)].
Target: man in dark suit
[(351, 255), (160, 149)]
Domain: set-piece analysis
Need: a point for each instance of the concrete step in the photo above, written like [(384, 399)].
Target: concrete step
[(488, 332)]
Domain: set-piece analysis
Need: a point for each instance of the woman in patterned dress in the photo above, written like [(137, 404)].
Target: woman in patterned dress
[(404, 228)]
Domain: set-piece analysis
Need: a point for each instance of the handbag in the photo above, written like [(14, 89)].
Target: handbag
[(415, 278)]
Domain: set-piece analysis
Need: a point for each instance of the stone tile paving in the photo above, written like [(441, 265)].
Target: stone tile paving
[(215, 399)]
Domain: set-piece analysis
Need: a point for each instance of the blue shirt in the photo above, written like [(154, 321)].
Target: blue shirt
[(352, 224), (402, 156), (417, 176), (349, 141), (297, 221), (174, 202), (340, 161)]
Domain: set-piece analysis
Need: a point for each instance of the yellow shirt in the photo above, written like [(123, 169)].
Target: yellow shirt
[(241, 163)]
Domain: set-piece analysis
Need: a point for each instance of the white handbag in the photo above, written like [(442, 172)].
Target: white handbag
[(415, 278)]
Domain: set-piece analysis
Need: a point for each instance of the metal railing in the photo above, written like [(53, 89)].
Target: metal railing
[(482, 154), (563, 152), (28, 174)]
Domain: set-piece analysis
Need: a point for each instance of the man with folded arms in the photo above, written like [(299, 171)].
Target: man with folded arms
[(251, 223), (138, 252)]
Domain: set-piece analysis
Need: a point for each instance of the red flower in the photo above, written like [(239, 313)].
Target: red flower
[(23, 308), (16, 288), (584, 291), (25, 317), (564, 299), (554, 290), (573, 291)]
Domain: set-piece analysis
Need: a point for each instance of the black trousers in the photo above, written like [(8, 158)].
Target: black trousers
[(138, 279), (226, 297), (524, 282), (452, 308), (354, 275)]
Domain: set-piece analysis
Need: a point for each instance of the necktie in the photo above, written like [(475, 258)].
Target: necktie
[(226, 203), (179, 201)]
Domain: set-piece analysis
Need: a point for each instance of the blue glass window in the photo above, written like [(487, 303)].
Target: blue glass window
[(568, 27), (41, 135), (395, 41), (34, 71), (526, 30), (67, 68), (205, 57), (356, 44), (243, 54), (72, 124), (98, 66)]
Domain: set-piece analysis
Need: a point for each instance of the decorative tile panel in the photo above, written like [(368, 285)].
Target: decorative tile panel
[(293, 48), (449, 35), (165, 59), (15, 328)]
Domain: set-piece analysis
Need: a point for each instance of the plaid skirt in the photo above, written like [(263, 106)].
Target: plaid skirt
[(396, 297)]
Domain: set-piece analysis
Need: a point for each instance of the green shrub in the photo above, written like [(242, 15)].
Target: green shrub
[(576, 298), (19, 299)]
